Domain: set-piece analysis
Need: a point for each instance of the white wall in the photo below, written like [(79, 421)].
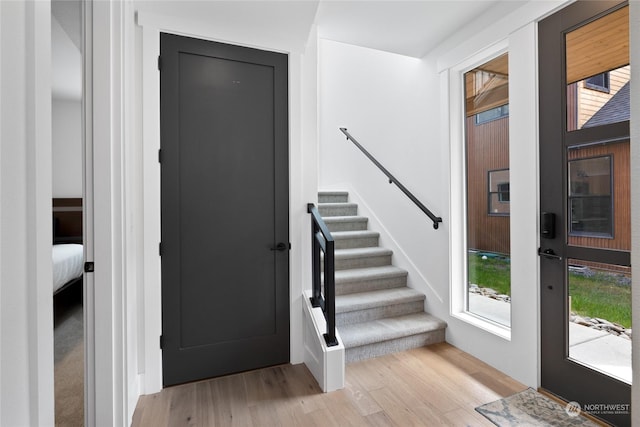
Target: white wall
[(67, 147), (389, 103), (398, 108), (26, 318), (66, 87)]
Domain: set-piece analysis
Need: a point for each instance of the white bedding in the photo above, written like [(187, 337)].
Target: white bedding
[(67, 264)]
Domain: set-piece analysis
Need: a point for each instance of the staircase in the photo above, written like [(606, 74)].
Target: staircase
[(376, 313)]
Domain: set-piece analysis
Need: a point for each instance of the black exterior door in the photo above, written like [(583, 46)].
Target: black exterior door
[(224, 189), (585, 234)]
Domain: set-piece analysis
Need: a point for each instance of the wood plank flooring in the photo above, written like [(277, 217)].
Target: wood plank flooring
[(438, 385)]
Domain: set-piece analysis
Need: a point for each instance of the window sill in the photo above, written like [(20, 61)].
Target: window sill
[(484, 324)]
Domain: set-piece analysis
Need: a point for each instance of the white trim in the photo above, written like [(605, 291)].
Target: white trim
[(38, 156), (458, 190), (152, 294), (107, 140), (473, 38), (484, 324)]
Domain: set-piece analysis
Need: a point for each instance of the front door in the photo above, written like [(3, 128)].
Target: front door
[(224, 189), (585, 207)]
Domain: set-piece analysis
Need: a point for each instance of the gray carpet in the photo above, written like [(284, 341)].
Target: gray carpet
[(69, 362), (530, 408)]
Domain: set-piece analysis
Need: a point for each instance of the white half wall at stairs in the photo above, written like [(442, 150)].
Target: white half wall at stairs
[(325, 363)]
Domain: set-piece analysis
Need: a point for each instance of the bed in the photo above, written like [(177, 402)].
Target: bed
[(67, 253)]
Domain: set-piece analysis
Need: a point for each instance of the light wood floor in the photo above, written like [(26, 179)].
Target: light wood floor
[(437, 385)]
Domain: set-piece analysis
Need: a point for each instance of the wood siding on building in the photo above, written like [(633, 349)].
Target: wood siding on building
[(621, 196), (589, 101), (487, 150)]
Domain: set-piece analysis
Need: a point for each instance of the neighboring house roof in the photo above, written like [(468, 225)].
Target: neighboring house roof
[(616, 110)]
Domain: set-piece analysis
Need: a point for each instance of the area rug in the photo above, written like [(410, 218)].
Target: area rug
[(530, 408)]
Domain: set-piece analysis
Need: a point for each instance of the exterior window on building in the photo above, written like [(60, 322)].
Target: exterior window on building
[(598, 82), (492, 114), (590, 200), (499, 192)]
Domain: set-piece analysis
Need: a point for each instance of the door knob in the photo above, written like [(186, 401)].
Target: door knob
[(549, 254), (281, 247)]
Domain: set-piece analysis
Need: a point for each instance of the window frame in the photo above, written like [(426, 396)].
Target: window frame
[(454, 89)]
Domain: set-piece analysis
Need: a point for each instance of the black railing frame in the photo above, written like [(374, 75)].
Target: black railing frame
[(321, 240), (392, 180)]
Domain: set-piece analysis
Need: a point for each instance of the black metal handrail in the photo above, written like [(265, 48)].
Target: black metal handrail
[(321, 240), (392, 180)]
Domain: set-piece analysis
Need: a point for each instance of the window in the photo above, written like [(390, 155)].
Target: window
[(499, 192), (488, 247), (598, 82), (590, 200), (493, 114)]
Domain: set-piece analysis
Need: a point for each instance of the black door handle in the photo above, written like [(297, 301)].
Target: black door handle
[(549, 254), (281, 247)]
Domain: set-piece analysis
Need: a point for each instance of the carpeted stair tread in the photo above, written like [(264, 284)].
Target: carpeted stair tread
[(354, 234), (360, 334), (355, 239), (362, 257), (332, 196), (361, 252), (337, 209), (371, 273), (355, 280), (374, 299), (346, 223)]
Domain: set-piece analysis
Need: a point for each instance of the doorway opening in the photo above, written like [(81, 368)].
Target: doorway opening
[(67, 105)]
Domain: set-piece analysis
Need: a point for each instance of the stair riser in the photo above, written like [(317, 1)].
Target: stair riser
[(347, 226), (356, 354), (364, 262), (358, 316), (371, 285), (359, 242), (346, 210), (333, 198)]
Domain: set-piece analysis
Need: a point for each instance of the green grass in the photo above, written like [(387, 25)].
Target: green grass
[(494, 273), (600, 295)]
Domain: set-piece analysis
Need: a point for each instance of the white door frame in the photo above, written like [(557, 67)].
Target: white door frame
[(105, 323)]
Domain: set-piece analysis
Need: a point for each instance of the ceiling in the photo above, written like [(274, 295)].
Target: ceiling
[(411, 28)]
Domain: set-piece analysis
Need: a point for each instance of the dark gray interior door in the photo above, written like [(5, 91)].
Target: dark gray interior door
[(224, 188), (585, 211)]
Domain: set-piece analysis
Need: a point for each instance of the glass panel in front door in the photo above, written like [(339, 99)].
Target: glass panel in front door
[(598, 196)]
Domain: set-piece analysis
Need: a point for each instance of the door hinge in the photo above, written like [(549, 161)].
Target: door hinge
[(160, 248), (160, 155), (88, 267), (159, 63), (161, 342)]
